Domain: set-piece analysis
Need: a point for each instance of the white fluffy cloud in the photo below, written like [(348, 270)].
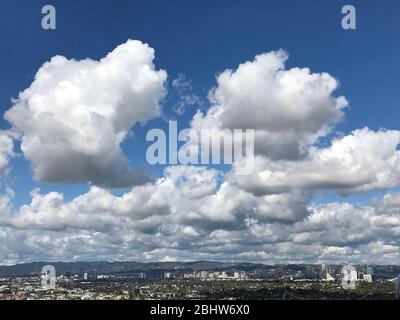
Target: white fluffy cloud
[(186, 97), (75, 115), (97, 225), (362, 161), (289, 109), (6, 150), (187, 196), (98, 209)]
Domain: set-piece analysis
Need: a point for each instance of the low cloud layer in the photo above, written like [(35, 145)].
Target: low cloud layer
[(186, 216)]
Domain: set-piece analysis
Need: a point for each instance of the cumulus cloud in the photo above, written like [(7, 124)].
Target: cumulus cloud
[(193, 198), (334, 232), (190, 214), (284, 207), (6, 151), (289, 109), (185, 96), (362, 161), (75, 115), (98, 209)]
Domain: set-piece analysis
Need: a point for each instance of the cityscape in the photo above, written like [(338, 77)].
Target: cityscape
[(187, 281)]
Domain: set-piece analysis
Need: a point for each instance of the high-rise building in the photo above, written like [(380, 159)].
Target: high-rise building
[(370, 270), (367, 277), (142, 275), (326, 273), (353, 275)]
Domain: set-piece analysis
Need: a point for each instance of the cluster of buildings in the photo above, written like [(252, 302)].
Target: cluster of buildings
[(92, 276), (30, 288), (207, 275), (92, 286), (329, 273)]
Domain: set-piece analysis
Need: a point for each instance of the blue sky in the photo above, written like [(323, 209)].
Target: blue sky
[(201, 39)]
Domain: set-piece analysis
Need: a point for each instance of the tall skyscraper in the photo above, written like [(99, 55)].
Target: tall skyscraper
[(326, 273), (370, 270)]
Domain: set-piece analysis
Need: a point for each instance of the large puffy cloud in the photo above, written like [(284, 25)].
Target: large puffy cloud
[(362, 161), (289, 109), (75, 115), (200, 198), (192, 197), (98, 209)]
